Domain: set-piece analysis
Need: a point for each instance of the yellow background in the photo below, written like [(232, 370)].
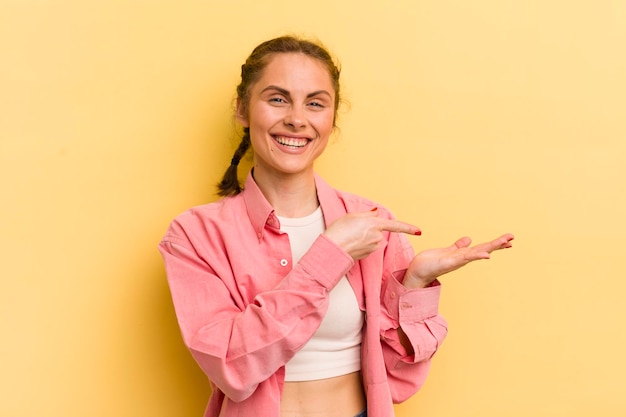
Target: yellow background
[(465, 117)]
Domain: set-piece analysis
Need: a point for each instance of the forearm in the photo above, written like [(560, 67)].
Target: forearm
[(239, 346), (413, 326)]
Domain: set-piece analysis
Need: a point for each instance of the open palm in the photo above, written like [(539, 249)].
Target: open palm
[(427, 265)]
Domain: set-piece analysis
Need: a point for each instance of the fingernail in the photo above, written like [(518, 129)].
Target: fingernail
[(374, 209), (418, 233)]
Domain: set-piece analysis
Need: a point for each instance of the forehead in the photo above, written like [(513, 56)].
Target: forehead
[(294, 72)]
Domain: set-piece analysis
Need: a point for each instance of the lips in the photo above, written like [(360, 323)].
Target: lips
[(291, 142)]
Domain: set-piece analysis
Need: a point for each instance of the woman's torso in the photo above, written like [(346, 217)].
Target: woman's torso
[(341, 396)]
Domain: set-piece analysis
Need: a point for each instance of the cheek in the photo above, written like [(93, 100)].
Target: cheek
[(325, 124), (266, 118)]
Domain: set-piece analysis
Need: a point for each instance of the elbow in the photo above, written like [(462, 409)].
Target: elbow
[(234, 382), (236, 394)]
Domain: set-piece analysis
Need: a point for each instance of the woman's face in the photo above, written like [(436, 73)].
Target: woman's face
[(290, 114)]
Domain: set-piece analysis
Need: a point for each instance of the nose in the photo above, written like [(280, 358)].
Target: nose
[(295, 117)]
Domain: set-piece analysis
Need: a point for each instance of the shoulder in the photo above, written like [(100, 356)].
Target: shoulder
[(206, 218), (201, 213), (357, 203), (348, 201)]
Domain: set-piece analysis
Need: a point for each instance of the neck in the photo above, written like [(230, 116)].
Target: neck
[(290, 195)]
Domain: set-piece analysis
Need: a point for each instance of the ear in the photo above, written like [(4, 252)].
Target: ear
[(242, 114)]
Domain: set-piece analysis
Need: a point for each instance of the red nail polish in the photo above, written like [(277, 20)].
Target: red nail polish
[(418, 233), (374, 209)]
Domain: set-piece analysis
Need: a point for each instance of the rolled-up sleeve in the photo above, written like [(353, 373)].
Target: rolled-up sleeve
[(416, 312)]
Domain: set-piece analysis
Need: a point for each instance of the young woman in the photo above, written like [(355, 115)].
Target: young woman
[(296, 299)]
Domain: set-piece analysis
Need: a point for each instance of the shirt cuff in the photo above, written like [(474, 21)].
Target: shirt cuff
[(326, 262), (411, 305)]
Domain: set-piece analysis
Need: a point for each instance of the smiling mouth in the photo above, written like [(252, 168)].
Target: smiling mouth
[(291, 142)]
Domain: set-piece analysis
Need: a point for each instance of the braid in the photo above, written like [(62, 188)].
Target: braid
[(230, 181)]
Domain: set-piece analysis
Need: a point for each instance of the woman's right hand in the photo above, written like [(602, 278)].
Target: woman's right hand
[(360, 234)]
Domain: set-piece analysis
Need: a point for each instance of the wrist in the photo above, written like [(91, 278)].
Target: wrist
[(412, 282)]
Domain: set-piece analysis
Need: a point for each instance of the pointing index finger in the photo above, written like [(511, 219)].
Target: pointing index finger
[(397, 226)]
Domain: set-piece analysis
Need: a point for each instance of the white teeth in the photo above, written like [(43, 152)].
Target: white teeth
[(294, 142)]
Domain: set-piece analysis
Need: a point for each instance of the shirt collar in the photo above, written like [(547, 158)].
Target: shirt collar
[(259, 209), (332, 205), (257, 206)]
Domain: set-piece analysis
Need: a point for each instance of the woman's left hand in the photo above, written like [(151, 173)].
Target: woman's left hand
[(426, 266)]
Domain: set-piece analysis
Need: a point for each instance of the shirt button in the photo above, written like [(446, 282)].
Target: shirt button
[(392, 295), (283, 262), (259, 235)]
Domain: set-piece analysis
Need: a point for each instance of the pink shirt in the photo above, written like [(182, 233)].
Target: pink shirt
[(244, 309)]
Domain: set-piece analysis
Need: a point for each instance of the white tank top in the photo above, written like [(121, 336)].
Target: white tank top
[(335, 348)]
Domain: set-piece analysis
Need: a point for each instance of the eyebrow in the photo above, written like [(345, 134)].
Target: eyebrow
[(286, 92)]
